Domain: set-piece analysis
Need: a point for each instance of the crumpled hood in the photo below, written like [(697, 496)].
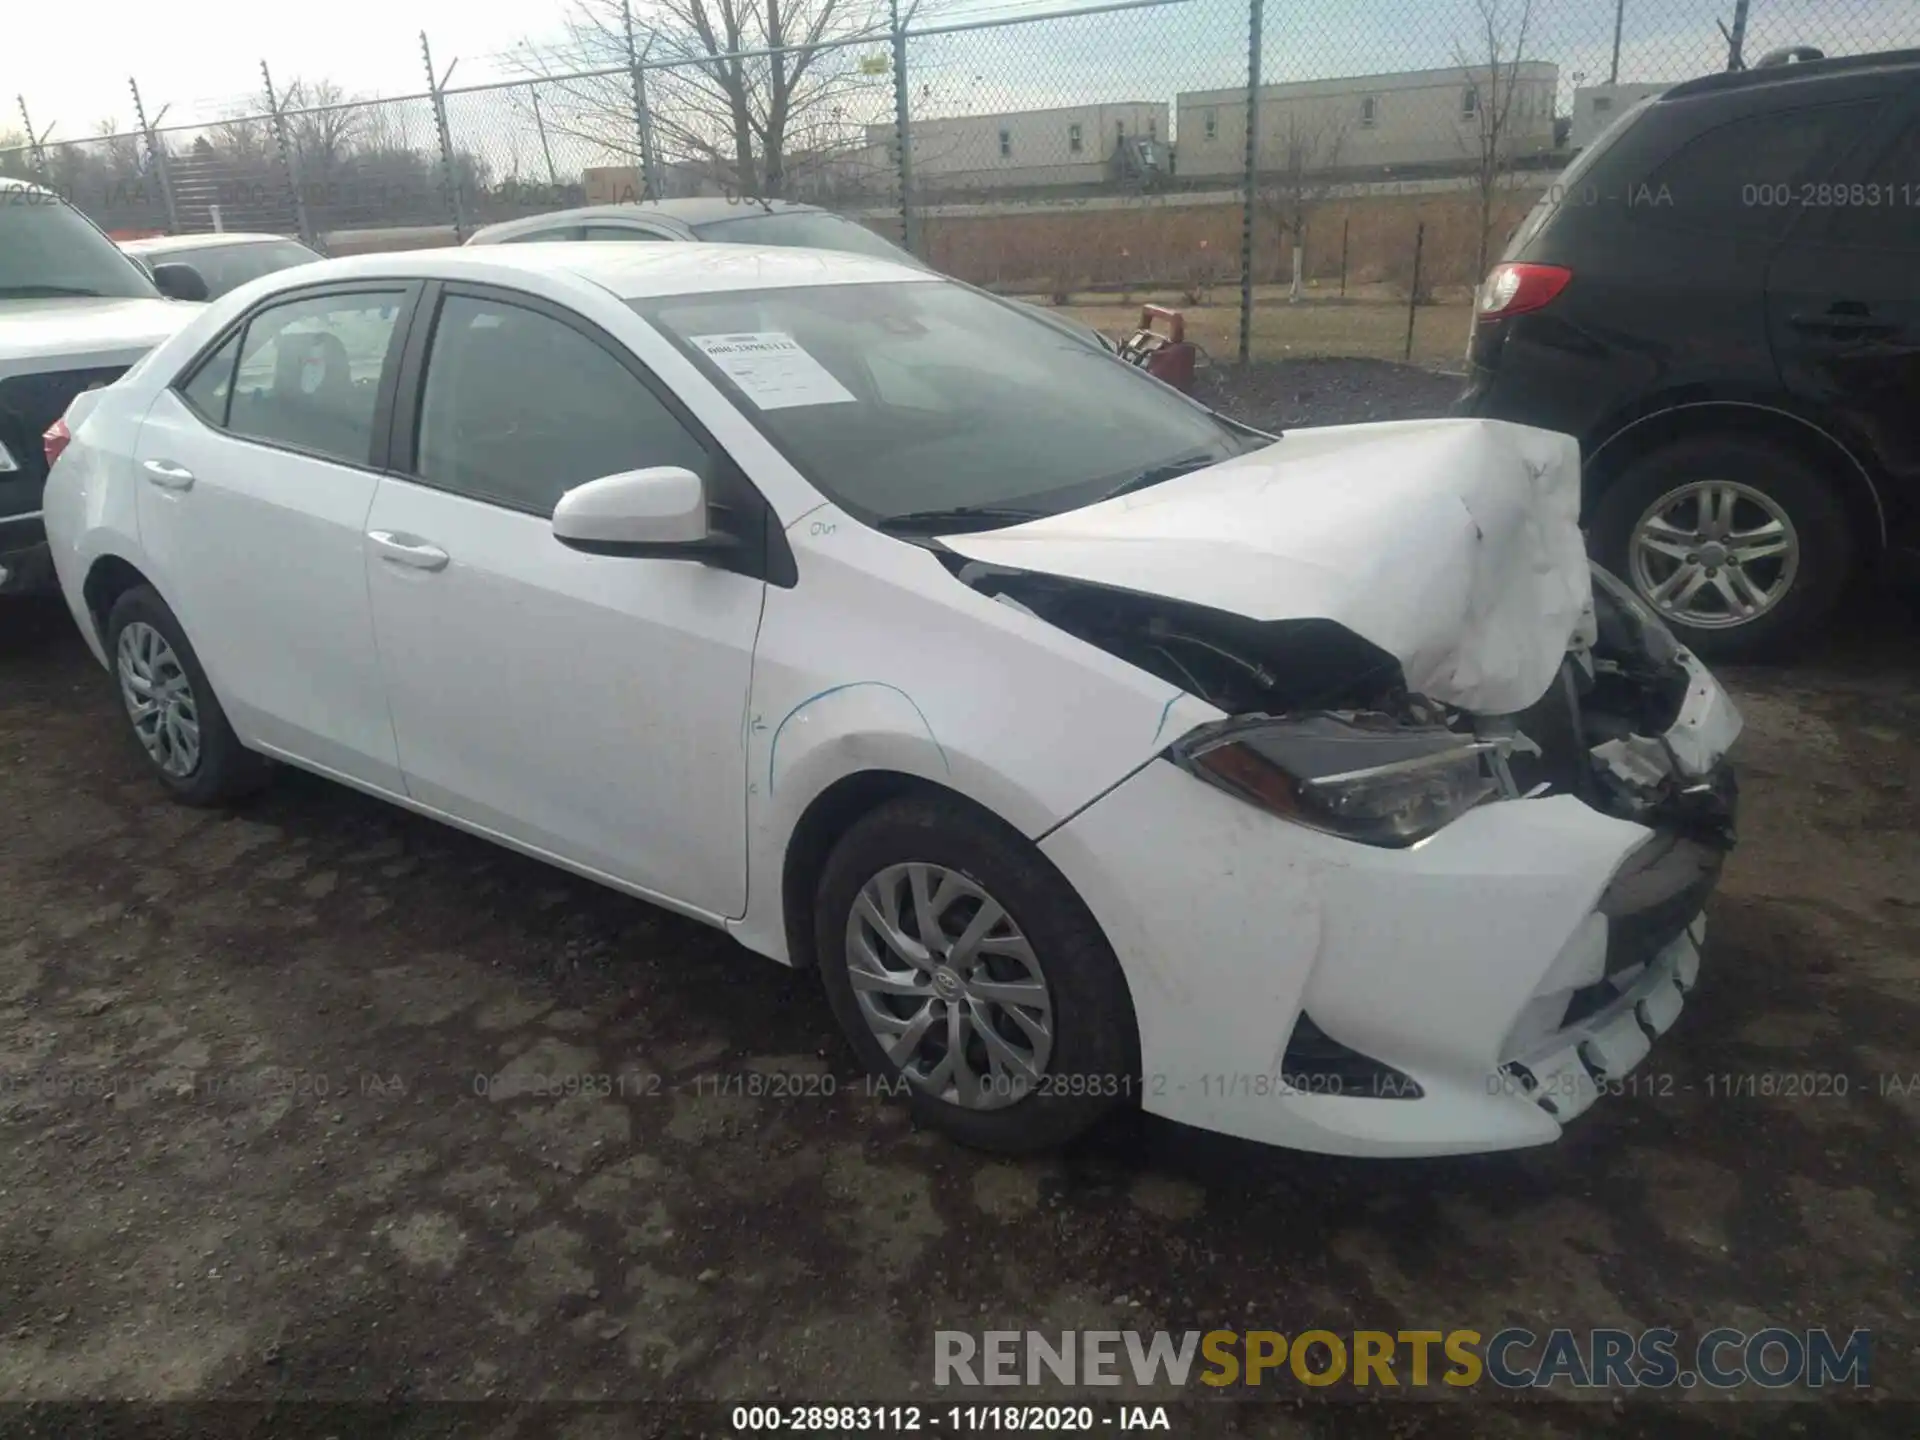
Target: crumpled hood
[(1454, 545), (81, 333)]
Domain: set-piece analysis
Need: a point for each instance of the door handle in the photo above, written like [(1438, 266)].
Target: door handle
[(167, 475), (408, 550)]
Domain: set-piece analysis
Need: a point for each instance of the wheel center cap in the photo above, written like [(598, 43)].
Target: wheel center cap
[(1713, 553), (946, 983)]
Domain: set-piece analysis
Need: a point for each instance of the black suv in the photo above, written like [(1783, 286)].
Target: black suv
[(1720, 299)]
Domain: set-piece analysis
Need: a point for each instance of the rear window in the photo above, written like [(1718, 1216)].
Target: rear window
[(809, 229), (1746, 177), (47, 250)]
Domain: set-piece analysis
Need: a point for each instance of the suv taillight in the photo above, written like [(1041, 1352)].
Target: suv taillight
[(1516, 289), (55, 441)]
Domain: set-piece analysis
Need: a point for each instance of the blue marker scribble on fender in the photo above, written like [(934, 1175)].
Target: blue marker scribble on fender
[(773, 747), (1165, 710)]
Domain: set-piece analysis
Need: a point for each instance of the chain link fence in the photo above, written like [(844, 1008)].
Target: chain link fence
[(1095, 159)]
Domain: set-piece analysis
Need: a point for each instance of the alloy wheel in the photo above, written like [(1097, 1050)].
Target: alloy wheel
[(949, 986), (1714, 554), (159, 698)]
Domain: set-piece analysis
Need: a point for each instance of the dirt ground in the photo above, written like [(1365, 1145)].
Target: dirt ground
[(266, 1133)]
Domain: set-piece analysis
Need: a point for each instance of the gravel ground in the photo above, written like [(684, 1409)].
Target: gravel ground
[(264, 1140)]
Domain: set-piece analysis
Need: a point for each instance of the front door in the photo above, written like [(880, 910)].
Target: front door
[(589, 707), (257, 471), (1843, 302)]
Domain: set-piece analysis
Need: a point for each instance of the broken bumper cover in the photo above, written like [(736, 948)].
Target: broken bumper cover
[(1529, 951)]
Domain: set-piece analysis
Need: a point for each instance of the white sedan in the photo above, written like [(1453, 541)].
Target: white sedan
[(1096, 749)]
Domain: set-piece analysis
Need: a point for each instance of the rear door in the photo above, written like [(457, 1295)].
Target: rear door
[(588, 707), (257, 471), (1843, 302)]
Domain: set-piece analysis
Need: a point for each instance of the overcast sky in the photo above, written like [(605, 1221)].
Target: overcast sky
[(202, 57)]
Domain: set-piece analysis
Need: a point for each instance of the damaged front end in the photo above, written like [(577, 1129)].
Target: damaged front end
[(1323, 730)]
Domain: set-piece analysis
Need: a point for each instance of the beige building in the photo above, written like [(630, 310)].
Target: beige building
[(1417, 118), (1070, 145), (1595, 107)]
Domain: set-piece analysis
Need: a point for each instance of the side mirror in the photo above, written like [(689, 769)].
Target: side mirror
[(660, 511), (180, 282)]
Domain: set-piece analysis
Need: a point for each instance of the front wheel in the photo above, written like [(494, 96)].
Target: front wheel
[(1741, 548), (963, 968)]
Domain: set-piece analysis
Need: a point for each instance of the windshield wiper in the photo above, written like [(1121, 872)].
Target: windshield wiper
[(960, 517), (49, 292), (1171, 470)]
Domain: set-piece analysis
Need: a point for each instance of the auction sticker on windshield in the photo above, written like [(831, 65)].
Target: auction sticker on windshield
[(772, 370)]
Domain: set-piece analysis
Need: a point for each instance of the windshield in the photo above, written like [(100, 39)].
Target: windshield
[(47, 249), (812, 229), (227, 267), (922, 396)]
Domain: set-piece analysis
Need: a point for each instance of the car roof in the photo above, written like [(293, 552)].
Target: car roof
[(631, 272), (1800, 72), (699, 210), (147, 243), (13, 185)]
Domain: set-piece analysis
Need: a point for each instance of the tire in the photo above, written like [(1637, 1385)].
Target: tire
[(1090, 1062), (221, 769), (1761, 476)]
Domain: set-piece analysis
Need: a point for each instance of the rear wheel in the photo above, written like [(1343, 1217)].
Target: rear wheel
[(962, 965), (171, 709), (1742, 548)]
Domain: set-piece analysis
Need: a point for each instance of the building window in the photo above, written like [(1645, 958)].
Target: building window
[(1212, 122), (1073, 139), (1603, 104), (1153, 129), (1369, 111), (1006, 144), (1470, 102)]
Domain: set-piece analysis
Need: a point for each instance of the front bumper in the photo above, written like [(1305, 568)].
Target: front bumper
[(26, 565), (1301, 990)]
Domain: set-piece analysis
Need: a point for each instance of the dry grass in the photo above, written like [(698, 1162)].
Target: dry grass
[(1371, 327)]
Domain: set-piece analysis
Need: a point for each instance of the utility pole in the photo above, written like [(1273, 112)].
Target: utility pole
[(1619, 23)]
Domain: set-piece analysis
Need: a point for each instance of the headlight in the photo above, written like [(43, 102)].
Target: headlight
[(1380, 783), (1639, 618)]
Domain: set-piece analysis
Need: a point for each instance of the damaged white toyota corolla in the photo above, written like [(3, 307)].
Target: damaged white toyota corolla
[(1097, 750)]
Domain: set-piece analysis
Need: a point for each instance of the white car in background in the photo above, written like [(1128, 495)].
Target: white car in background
[(1096, 750), (224, 260)]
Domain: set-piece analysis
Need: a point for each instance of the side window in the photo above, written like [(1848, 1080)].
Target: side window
[(208, 388), (1744, 178), (1883, 211), (309, 373), (536, 237), (518, 409), (620, 232)]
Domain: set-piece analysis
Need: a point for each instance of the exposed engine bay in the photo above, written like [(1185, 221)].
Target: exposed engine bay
[(1601, 731)]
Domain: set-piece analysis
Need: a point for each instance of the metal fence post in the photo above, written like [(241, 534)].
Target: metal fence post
[(1346, 231), (34, 141), (642, 121), (289, 172), (1413, 294), (1250, 180), (1619, 25), (1737, 40), (903, 135), (156, 156), (448, 183)]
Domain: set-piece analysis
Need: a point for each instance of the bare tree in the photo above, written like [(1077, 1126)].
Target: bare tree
[(323, 127), (743, 92), (1309, 156), (1490, 72)]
